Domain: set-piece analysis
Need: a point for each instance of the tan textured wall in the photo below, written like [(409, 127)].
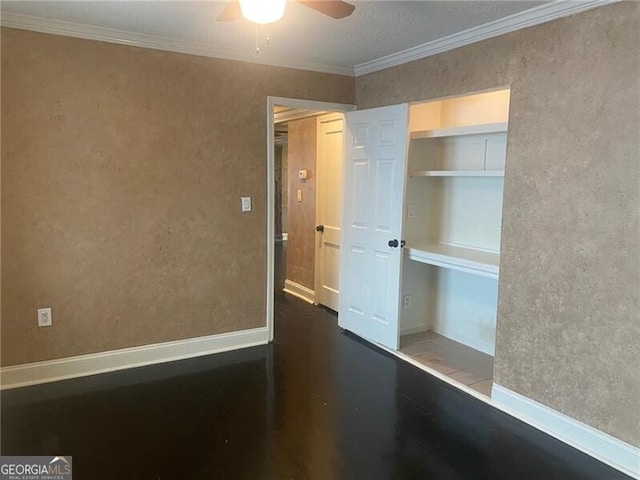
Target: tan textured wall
[(0, 205), (122, 171), (281, 190), (284, 163), (569, 296), (303, 136)]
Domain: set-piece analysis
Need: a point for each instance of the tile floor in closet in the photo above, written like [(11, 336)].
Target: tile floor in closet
[(453, 359)]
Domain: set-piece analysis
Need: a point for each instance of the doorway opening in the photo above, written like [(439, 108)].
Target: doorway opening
[(422, 219), (303, 188)]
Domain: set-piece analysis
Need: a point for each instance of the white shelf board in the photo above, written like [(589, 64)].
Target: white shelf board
[(469, 260), (456, 131), (456, 173)]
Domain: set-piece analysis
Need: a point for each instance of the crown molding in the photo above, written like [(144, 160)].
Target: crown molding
[(528, 18), (122, 37)]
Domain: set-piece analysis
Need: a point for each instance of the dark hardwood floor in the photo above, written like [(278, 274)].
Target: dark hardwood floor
[(316, 404)]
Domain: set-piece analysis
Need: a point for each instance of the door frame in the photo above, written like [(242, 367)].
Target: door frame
[(291, 103)]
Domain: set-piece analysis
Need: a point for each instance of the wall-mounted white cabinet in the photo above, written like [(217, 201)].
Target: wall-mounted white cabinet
[(438, 188)]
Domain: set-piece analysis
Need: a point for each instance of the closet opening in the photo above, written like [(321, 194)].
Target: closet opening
[(453, 216)]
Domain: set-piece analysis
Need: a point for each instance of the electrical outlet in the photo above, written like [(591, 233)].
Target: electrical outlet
[(44, 317), (411, 211), (406, 301)]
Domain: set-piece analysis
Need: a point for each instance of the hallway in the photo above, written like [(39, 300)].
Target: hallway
[(316, 404)]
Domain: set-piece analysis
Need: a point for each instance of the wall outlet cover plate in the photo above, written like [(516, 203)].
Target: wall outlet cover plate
[(44, 317)]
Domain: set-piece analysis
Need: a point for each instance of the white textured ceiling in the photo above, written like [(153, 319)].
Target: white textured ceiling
[(376, 28)]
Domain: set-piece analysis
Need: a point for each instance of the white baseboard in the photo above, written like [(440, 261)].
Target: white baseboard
[(616, 453), (412, 329), (83, 365), (299, 291)]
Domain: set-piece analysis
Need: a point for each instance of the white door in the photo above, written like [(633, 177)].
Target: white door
[(371, 256), (329, 208)]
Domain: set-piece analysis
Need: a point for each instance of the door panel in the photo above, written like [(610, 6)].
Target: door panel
[(356, 264), (381, 286), (332, 256), (359, 192), (375, 169), (384, 194), (361, 136), (329, 209)]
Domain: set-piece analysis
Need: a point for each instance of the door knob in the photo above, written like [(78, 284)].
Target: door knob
[(319, 228), (394, 243)]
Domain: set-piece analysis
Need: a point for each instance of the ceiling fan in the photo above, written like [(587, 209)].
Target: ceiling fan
[(268, 11)]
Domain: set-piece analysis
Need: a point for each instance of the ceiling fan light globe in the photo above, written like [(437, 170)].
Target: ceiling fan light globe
[(262, 11)]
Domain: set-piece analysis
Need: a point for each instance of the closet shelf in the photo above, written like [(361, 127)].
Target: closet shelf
[(456, 173), (469, 260), (456, 131)]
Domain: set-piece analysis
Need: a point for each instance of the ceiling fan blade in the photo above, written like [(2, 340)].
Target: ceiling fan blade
[(231, 13), (335, 9)]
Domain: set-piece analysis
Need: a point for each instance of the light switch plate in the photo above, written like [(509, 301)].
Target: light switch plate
[(245, 204), (299, 195)]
